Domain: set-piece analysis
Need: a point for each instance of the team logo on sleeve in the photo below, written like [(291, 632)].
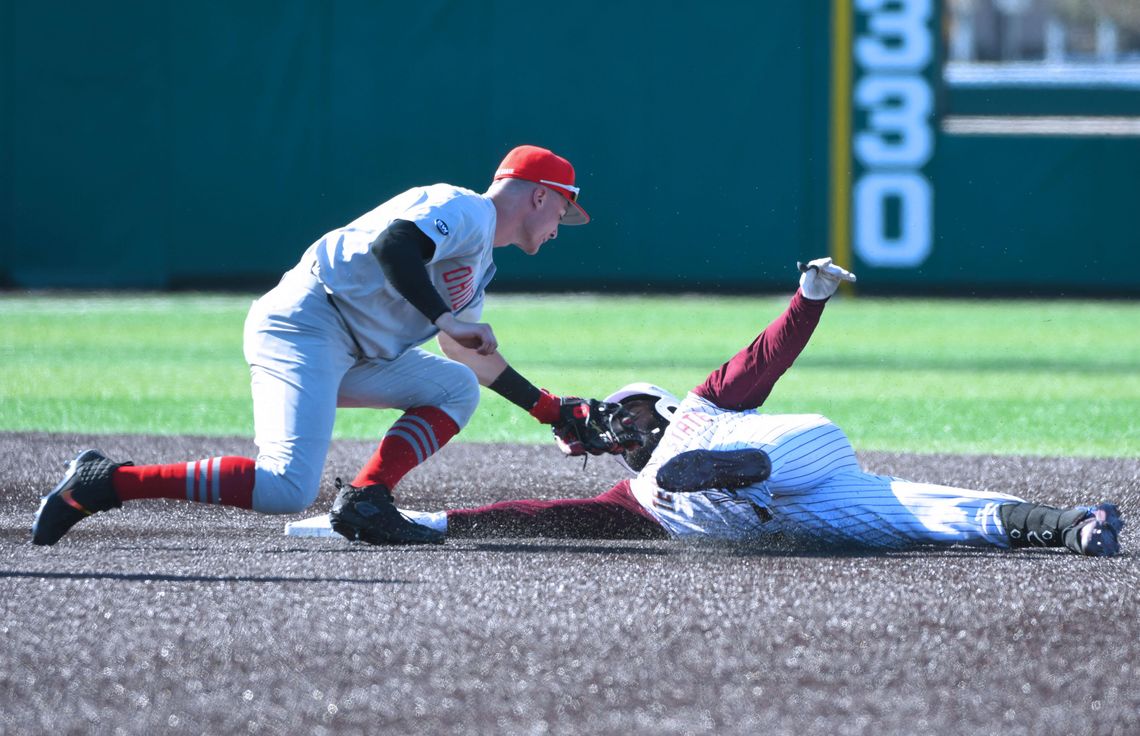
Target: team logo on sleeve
[(442, 226)]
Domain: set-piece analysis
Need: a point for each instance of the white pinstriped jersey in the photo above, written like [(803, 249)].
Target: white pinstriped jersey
[(459, 221), (816, 489)]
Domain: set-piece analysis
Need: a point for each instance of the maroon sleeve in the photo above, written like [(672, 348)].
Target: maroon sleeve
[(745, 381), (615, 514)]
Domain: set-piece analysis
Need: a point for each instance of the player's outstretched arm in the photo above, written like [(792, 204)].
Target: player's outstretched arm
[(746, 380), (580, 426)]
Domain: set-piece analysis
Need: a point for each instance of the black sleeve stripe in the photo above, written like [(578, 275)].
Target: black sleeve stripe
[(402, 250)]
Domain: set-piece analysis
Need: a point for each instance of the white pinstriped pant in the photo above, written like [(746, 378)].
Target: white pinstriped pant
[(303, 366), (818, 492)]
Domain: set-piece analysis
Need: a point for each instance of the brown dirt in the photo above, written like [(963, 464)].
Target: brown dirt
[(169, 618)]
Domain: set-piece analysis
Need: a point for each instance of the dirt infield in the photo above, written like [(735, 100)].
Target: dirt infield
[(168, 618)]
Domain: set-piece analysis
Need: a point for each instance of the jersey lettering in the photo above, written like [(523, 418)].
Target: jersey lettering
[(456, 274), (460, 286), (693, 422), (664, 500)]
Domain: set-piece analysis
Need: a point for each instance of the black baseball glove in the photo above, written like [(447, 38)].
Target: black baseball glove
[(594, 427)]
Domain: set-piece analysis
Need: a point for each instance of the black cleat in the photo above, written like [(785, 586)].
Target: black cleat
[(697, 470), (369, 514), (1086, 530), (1098, 534), (85, 489)]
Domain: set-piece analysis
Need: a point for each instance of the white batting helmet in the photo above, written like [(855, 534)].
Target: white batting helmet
[(664, 407)]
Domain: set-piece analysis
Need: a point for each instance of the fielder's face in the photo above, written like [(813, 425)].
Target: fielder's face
[(547, 208)]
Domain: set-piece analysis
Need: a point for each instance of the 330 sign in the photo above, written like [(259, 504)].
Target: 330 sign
[(893, 139)]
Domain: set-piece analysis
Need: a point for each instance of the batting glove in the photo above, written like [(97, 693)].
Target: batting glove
[(820, 278)]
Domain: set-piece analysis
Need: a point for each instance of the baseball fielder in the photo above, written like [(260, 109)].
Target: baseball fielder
[(343, 329), (713, 466)]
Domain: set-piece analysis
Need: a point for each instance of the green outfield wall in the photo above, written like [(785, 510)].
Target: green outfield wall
[(166, 145)]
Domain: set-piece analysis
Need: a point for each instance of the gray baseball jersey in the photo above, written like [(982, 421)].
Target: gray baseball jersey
[(459, 221), (304, 364)]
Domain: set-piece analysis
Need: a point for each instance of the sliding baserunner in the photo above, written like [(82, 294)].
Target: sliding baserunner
[(712, 465)]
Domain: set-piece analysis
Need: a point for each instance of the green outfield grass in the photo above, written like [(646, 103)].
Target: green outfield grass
[(1033, 377)]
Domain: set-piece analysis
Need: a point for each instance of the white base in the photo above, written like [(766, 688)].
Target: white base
[(314, 526)]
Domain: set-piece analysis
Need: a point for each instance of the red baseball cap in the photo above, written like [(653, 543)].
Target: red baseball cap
[(541, 166)]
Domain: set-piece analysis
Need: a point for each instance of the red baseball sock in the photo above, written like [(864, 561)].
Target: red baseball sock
[(222, 480), (415, 437)]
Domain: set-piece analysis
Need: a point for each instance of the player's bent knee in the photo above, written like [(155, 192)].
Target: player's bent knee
[(462, 397), (282, 492)]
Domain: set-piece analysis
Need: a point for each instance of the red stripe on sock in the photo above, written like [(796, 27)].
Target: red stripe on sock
[(234, 475), (413, 434), (395, 456)]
